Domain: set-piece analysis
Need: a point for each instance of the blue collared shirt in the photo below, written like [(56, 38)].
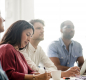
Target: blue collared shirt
[(67, 58)]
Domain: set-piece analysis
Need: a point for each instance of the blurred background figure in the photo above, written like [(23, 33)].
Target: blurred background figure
[(2, 73), (1, 23), (64, 52)]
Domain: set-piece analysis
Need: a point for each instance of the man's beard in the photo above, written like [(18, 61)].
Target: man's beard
[(39, 39), (68, 36)]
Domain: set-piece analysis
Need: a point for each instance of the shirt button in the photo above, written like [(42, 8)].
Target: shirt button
[(34, 51), (68, 63)]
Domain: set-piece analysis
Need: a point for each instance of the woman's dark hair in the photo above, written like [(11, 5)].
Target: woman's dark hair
[(14, 32)]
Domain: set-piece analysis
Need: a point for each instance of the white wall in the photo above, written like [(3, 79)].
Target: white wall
[(18, 9), (54, 12)]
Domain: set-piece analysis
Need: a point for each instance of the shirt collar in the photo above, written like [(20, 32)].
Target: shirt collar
[(62, 43)]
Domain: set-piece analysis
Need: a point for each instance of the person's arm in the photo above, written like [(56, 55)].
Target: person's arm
[(8, 61), (80, 61), (54, 56), (31, 64), (56, 61), (45, 76), (47, 63), (73, 71), (28, 77)]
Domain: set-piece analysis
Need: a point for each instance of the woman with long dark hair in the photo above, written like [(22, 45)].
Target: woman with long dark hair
[(13, 62)]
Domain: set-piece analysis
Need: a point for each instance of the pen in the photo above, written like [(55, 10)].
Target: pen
[(45, 69), (66, 78)]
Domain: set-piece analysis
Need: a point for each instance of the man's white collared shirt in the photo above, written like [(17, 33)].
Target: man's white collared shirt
[(36, 56)]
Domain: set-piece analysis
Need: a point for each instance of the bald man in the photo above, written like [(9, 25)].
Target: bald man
[(65, 52)]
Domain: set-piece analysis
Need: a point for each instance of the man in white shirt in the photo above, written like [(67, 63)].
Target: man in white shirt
[(34, 54)]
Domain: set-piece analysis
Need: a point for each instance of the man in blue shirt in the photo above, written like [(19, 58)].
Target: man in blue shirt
[(65, 52)]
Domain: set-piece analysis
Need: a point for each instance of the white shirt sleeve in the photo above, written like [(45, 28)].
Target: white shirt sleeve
[(31, 64), (48, 64)]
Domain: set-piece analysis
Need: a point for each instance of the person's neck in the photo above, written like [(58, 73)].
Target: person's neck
[(16, 47), (34, 43), (66, 41)]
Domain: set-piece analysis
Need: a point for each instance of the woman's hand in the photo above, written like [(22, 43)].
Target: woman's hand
[(45, 76)]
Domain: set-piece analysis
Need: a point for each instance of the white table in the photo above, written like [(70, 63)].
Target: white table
[(71, 78), (60, 79)]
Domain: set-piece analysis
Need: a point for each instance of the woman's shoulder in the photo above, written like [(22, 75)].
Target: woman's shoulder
[(6, 50)]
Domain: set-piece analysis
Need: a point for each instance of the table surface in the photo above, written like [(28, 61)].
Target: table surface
[(74, 78)]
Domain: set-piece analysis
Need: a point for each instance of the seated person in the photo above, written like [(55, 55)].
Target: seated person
[(1, 23), (3, 76), (65, 52), (13, 62), (34, 54)]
